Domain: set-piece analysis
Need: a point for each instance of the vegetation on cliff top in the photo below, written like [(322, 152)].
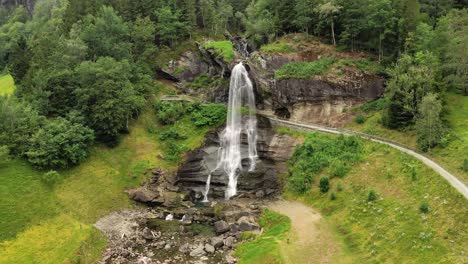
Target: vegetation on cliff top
[(223, 49)]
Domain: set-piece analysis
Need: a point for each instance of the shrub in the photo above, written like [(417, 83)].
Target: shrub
[(371, 196), (51, 178), (204, 81), (324, 184), (59, 144), (171, 133), (208, 114), (333, 196), (377, 105), (424, 208), (338, 169), (464, 166), (175, 150), (303, 70), (4, 153), (360, 119), (169, 112), (319, 152)]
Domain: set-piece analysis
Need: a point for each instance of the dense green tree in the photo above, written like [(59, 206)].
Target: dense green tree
[(4, 154), (380, 22), (304, 14), (106, 34), (106, 97), (260, 24), (412, 78), (170, 27), (142, 35), (59, 144), (429, 125), (421, 40), (18, 122), (224, 13)]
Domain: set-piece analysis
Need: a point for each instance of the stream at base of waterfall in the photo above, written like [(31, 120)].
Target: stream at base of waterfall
[(241, 119)]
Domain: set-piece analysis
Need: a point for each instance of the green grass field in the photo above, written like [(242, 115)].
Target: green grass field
[(7, 85), (450, 156), (392, 228), (55, 225)]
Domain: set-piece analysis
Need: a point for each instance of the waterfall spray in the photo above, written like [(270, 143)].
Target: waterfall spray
[(239, 121)]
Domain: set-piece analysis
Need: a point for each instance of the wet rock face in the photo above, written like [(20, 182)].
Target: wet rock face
[(193, 173)]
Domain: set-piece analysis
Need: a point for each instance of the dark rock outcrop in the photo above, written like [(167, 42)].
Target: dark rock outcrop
[(198, 164)]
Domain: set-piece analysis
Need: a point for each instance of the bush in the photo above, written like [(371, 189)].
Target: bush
[(319, 152), (333, 196), (51, 178), (371, 196), (338, 169), (175, 150), (208, 114), (169, 112), (4, 153), (303, 70), (377, 105), (171, 133), (360, 119), (204, 81), (464, 166), (59, 144), (424, 208), (324, 184)]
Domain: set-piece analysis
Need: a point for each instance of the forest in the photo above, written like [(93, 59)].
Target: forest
[(76, 74)]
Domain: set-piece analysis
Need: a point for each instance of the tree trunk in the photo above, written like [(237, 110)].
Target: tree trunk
[(333, 32)]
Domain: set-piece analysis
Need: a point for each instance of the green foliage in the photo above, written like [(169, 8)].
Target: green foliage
[(371, 196), (333, 196), (59, 144), (429, 125), (424, 207), (7, 85), (464, 165), (171, 133), (339, 169), (208, 114), (319, 152), (203, 81), (264, 248), (374, 106), (324, 184), (360, 119), (51, 178), (170, 112), (170, 27), (4, 154), (223, 49), (303, 70), (275, 48), (107, 97)]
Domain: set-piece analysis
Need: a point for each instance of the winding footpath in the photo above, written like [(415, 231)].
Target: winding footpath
[(454, 181)]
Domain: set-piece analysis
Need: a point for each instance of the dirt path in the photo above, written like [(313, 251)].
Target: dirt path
[(310, 239), (454, 181)]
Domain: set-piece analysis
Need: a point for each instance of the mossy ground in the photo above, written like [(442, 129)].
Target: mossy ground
[(223, 48), (54, 225), (7, 85), (451, 155)]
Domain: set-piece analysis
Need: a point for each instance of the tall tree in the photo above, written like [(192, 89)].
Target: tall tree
[(170, 26), (429, 125), (304, 14), (328, 11)]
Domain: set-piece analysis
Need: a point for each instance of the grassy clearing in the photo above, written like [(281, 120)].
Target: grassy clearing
[(265, 248), (303, 70), (277, 48), (392, 228), (450, 156), (55, 225), (7, 85), (223, 48)]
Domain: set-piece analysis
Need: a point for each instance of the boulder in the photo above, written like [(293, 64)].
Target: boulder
[(209, 248), (198, 251), (147, 234), (221, 227), (229, 242), (217, 242)]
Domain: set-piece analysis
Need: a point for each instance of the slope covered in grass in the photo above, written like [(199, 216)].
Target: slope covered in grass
[(54, 225), (389, 207), (450, 156), (7, 85)]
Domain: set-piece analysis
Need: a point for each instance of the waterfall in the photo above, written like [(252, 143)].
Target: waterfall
[(239, 121)]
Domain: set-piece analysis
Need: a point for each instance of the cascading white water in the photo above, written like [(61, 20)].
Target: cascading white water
[(239, 121)]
